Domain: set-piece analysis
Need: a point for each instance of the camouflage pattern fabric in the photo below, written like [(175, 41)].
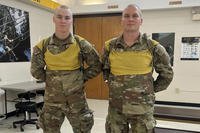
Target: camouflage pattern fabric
[(131, 97), (75, 109), (64, 92), (121, 123)]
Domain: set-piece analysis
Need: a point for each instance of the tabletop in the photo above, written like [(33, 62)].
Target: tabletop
[(24, 86)]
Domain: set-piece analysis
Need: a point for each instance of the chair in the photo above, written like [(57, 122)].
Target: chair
[(26, 106)]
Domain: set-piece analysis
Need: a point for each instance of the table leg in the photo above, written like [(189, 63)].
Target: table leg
[(6, 111)]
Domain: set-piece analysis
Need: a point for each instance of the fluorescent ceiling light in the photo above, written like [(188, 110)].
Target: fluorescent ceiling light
[(92, 2)]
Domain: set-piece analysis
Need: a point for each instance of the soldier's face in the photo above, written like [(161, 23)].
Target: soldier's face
[(131, 19), (63, 19)]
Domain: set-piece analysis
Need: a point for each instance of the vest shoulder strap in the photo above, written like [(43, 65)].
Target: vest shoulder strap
[(110, 44), (151, 44), (78, 40), (45, 43), (81, 53)]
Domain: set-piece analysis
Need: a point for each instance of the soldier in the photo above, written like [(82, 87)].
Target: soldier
[(128, 63), (58, 60)]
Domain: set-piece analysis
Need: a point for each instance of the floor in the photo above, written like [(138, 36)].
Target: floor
[(100, 111)]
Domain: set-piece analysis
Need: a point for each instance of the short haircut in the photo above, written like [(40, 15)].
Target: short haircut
[(62, 7), (135, 6)]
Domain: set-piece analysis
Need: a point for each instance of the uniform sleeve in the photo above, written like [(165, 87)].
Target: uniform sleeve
[(105, 63), (92, 59), (38, 64), (163, 68)]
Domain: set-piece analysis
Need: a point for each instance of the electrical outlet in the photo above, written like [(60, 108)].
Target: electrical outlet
[(177, 90), (196, 17)]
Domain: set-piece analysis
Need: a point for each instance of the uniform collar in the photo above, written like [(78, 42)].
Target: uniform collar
[(120, 40), (55, 41)]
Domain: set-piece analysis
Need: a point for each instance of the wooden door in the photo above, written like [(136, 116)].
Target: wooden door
[(90, 29), (97, 30)]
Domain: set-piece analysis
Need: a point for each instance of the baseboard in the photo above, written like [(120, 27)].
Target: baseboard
[(176, 110), (169, 130), (9, 114), (178, 103)]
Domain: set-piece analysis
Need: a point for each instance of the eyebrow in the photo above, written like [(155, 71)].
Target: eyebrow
[(59, 15), (125, 14)]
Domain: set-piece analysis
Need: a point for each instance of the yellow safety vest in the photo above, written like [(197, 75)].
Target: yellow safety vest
[(66, 60), (130, 62)]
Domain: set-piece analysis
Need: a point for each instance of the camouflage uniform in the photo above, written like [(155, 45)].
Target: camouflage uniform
[(64, 92), (131, 96)]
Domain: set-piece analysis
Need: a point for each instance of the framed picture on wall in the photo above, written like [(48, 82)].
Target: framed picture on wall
[(166, 40), (190, 48), (14, 35)]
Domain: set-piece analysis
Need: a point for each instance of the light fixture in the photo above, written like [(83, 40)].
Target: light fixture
[(93, 2)]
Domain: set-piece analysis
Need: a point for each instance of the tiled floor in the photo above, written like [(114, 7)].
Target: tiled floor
[(100, 111)]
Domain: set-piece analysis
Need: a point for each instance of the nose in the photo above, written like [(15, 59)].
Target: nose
[(62, 19), (131, 18)]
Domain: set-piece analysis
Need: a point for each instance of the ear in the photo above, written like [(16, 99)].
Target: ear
[(54, 19), (141, 21)]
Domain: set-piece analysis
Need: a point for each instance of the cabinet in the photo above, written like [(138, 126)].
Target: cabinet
[(97, 30)]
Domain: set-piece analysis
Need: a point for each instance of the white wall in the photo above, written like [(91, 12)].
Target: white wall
[(86, 6), (41, 26), (185, 85)]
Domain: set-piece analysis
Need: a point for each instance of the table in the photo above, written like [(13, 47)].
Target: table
[(21, 87)]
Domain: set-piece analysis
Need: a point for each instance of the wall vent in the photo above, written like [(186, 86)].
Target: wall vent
[(113, 6), (175, 2)]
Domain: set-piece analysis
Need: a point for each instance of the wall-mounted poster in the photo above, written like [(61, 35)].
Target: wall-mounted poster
[(166, 40), (190, 48), (14, 35)]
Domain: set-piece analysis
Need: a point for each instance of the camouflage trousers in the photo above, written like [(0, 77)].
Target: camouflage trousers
[(75, 109), (117, 122)]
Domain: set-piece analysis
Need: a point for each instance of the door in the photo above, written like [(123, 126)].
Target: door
[(90, 29), (97, 30)]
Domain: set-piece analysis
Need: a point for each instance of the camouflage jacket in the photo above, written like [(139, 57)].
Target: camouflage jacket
[(160, 63), (89, 54)]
